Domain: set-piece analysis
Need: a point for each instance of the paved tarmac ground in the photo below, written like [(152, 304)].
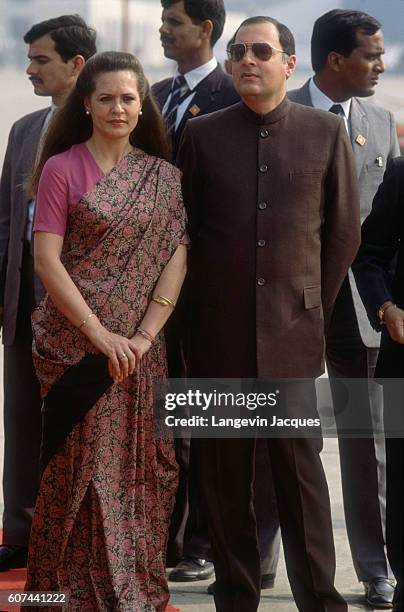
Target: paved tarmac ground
[(192, 597)]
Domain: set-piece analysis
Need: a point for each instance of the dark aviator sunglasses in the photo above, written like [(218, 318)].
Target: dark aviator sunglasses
[(262, 51)]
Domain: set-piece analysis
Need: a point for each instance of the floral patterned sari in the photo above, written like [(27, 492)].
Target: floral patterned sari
[(101, 521)]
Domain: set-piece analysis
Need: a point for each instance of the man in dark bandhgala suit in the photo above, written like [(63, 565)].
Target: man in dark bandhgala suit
[(271, 192), (58, 48), (382, 290), (347, 56)]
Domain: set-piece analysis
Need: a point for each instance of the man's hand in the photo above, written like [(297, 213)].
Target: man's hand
[(394, 320)]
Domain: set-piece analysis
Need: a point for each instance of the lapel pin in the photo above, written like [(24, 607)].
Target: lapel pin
[(360, 140), (379, 161), (195, 110)]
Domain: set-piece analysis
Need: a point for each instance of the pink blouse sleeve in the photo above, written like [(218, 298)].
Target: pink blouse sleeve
[(52, 203)]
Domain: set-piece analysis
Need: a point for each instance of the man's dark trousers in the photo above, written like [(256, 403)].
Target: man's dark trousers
[(22, 432)]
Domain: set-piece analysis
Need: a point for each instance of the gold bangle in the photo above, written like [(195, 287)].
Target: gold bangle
[(163, 301), (145, 334), (85, 321)]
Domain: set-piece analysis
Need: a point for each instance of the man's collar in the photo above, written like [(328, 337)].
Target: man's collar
[(272, 117), (322, 101), (195, 76)]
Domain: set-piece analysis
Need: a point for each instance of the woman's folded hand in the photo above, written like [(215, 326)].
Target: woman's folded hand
[(122, 353)]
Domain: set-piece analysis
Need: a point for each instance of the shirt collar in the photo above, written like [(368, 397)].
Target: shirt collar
[(323, 102), (195, 76)]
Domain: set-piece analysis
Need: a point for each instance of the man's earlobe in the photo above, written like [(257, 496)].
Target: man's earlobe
[(334, 61), (290, 65), (207, 28), (78, 63)]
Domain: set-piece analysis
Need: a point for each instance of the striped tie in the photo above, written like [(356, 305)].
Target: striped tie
[(179, 92)]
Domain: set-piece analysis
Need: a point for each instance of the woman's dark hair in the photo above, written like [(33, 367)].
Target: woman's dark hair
[(286, 37), (336, 31), (71, 125), (70, 33), (200, 10)]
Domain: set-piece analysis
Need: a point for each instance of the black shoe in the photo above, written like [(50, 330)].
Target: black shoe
[(190, 569), (379, 593), (12, 557), (267, 582)]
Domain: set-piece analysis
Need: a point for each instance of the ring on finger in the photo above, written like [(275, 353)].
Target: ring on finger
[(124, 356)]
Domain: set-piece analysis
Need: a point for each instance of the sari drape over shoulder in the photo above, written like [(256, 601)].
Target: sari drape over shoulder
[(101, 522)]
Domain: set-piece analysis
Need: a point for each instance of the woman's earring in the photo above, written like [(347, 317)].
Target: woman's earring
[(87, 111), (140, 112)]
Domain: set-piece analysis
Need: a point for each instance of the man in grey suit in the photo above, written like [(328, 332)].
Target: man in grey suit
[(58, 49), (347, 50)]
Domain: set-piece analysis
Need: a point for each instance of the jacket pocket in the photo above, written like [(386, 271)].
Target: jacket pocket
[(312, 296)]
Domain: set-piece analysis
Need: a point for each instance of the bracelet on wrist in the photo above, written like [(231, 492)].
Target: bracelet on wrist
[(86, 320), (145, 334), (163, 301)]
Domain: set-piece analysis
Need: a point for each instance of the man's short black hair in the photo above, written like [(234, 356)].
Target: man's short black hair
[(286, 37), (200, 10), (231, 42), (337, 31), (70, 33)]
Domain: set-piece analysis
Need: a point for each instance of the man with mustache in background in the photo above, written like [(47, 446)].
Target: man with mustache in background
[(189, 31), (58, 49), (347, 50)]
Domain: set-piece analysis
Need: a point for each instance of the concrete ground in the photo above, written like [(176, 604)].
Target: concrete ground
[(192, 597)]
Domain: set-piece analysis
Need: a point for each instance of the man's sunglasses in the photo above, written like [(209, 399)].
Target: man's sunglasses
[(262, 51)]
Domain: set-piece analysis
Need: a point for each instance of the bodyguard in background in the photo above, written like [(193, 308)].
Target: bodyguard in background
[(347, 55), (383, 295), (58, 49), (189, 31)]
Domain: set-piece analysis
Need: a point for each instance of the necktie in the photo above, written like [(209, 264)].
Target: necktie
[(179, 92), (336, 109)]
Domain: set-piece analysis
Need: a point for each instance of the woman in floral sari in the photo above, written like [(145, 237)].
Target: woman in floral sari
[(110, 250)]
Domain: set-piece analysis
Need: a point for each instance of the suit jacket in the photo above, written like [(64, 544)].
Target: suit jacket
[(274, 226), (377, 126), (18, 163), (382, 242), (216, 91)]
